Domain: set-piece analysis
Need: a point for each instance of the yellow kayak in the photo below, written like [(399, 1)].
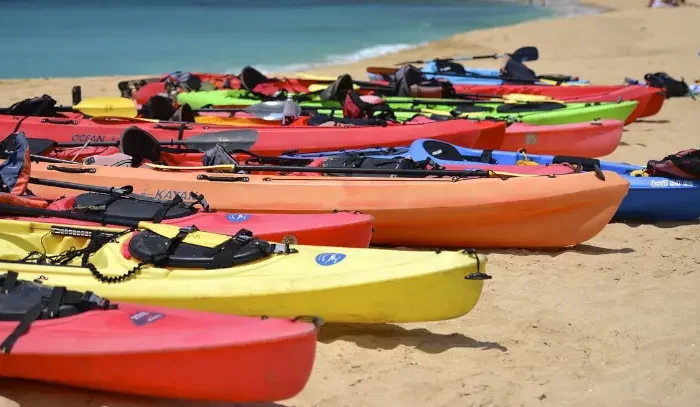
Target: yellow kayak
[(242, 275)]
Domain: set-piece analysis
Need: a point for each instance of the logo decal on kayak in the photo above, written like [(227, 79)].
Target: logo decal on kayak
[(87, 137), (531, 138), (329, 259), (143, 318), (167, 194), (238, 217)]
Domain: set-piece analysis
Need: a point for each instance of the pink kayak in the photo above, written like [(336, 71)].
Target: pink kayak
[(341, 229), (590, 139)]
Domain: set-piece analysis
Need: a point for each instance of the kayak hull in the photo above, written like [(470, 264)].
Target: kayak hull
[(342, 229), (272, 140), (649, 198), (650, 99), (336, 284), (165, 352), (519, 212)]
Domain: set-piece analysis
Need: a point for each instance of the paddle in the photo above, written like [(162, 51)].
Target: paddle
[(125, 108), (229, 139), (119, 192), (522, 54), (96, 107), (367, 171)]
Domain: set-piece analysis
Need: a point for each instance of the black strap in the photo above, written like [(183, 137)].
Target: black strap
[(168, 205), (161, 259), (223, 258), (32, 315), (10, 282), (486, 156), (55, 301), (199, 199)]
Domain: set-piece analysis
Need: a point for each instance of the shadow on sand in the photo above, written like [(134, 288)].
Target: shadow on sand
[(663, 121), (389, 336), (662, 225), (35, 394), (579, 248)]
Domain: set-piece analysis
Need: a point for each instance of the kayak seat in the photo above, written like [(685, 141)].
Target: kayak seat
[(239, 249), (448, 152), (468, 108), (529, 107), (449, 67), (362, 161), (158, 108), (27, 301), (133, 207), (250, 78), (587, 164), (183, 113)]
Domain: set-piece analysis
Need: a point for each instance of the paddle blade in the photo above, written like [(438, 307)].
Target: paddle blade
[(525, 54), (523, 97), (321, 86), (107, 106), (228, 139), (271, 110)]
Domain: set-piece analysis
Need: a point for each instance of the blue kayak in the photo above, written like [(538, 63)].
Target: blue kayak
[(478, 76), (649, 198)]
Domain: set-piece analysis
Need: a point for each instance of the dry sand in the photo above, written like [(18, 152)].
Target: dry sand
[(613, 322)]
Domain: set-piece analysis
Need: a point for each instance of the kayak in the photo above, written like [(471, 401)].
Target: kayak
[(243, 275), (150, 351), (650, 198), (343, 229), (521, 212), (650, 99), (472, 76), (537, 113), (546, 112), (589, 139), (270, 140)]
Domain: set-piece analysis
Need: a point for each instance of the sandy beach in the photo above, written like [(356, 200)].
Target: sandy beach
[(612, 322)]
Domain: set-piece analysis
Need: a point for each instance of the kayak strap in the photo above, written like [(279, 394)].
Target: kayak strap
[(160, 251), (28, 302), (359, 160), (136, 207)]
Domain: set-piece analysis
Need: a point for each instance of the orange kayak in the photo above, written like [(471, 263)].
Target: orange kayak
[(521, 212)]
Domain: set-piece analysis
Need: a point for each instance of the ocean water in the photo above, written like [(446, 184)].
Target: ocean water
[(58, 38)]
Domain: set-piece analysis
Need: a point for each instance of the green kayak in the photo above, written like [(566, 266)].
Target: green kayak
[(544, 113)]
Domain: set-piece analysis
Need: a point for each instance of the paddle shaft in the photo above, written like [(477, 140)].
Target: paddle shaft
[(101, 219), (368, 171), (117, 192)]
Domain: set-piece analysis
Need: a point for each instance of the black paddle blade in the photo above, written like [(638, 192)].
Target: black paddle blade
[(525, 54), (229, 139)]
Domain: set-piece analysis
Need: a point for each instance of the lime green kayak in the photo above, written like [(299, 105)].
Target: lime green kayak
[(544, 113)]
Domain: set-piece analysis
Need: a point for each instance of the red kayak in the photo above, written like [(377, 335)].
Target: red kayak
[(341, 229), (136, 140), (271, 140), (151, 351)]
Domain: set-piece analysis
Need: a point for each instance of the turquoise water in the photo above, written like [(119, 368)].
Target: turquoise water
[(83, 38)]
